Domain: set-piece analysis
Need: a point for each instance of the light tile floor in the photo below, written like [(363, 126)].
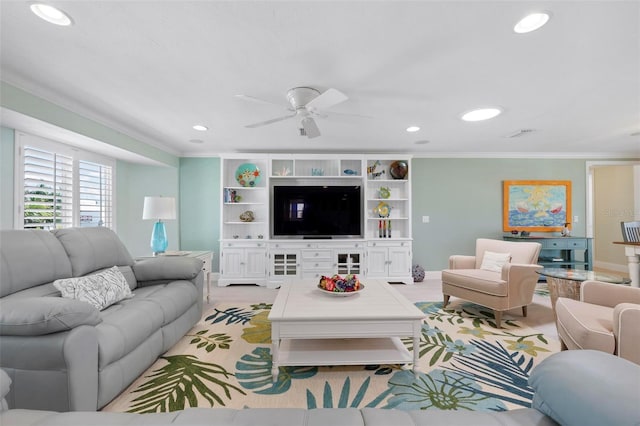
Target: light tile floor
[(539, 316)]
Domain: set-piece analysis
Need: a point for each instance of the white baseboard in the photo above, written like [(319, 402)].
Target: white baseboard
[(612, 266), (433, 275)]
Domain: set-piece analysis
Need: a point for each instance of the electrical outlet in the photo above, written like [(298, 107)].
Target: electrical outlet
[(575, 219), (425, 219)]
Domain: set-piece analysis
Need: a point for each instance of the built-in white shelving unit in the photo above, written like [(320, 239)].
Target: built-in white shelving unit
[(250, 254)]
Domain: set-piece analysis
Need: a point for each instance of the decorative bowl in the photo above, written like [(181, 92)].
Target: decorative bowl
[(340, 286), (341, 293)]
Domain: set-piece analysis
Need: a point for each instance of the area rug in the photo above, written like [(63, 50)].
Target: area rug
[(225, 361)]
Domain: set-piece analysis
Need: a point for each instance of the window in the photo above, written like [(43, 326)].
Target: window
[(60, 186)]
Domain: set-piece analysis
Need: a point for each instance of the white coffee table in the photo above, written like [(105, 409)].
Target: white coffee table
[(312, 328)]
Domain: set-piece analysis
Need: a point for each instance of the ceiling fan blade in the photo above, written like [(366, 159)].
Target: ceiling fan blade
[(273, 120), (327, 99), (310, 127), (262, 101), (344, 114)]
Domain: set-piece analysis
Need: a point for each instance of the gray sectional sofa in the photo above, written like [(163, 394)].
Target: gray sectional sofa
[(571, 388), (64, 354)]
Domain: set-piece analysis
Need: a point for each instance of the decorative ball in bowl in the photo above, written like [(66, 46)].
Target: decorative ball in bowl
[(340, 286)]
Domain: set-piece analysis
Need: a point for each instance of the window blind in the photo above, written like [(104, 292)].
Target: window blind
[(95, 194), (48, 189)]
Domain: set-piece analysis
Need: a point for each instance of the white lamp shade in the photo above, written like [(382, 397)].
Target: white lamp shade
[(159, 208)]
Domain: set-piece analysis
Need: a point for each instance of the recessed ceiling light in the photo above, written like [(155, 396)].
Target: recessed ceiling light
[(422, 142), (196, 141), (51, 14), (531, 22), (412, 129), (200, 128), (481, 114)]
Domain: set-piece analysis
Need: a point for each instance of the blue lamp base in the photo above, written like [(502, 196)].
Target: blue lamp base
[(159, 240)]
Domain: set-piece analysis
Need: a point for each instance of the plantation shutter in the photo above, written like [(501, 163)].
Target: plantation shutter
[(48, 189), (95, 194)]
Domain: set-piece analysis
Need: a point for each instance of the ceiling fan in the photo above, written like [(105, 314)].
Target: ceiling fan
[(306, 104)]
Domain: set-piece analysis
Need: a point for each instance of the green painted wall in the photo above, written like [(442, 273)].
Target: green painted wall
[(133, 183), (463, 198), (200, 206), (6, 177)]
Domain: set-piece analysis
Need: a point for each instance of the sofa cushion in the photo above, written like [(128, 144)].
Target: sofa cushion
[(488, 282), (21, 251), (152, 308), (100, 290), (125, 326), (492, 261), (90, 249), (588, 326), (34, 316), (587, 387), (172, 299)]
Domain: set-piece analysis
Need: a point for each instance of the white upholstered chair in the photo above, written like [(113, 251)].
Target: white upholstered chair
[(606, 318), (497, 286)]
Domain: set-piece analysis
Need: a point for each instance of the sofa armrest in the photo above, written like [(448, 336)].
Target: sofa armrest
[(167, 269), (569, 387), (626, 317), (36, 316), (607, 294), (458, 261)]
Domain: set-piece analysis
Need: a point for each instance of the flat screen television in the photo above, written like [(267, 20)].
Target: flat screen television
[(317, 212)]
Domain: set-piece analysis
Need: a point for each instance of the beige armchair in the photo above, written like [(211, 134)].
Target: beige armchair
[(606, 318), (496, 286)]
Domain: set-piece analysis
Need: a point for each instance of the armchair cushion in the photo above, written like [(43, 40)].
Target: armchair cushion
[(492, 261), (35, 316), (100, 290), (479, 280), (585, 326)]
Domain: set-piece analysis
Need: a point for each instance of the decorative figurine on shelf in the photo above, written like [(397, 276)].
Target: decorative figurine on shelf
[(524, 233), (247, 216), (372, 168), (384, 192), (566, 232)]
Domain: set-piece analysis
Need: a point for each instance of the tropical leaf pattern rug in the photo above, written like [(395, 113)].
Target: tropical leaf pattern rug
[(225, 361)]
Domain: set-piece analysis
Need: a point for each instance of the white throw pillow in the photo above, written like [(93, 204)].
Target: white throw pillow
[(492, 261), (101, 290)]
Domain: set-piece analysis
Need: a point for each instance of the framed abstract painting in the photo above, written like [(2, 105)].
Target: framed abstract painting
[(536, 205)]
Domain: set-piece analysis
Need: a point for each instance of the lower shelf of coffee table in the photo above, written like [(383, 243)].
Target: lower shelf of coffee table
[(343, 352)]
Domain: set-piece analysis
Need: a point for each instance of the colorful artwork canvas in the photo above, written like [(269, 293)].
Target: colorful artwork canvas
[(536, 205)]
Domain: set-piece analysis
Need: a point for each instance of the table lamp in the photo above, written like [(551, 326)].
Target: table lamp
[(159, 208)]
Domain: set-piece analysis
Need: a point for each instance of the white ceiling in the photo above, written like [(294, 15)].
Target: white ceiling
[(152, 69)]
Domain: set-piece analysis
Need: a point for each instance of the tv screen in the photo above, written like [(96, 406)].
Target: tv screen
[(317, 211)]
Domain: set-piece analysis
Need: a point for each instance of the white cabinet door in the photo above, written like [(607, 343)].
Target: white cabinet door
[(232, 263), (377, 262), (255, 263), (399, 259)]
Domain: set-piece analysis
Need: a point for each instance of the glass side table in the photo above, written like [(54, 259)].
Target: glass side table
[(566, 282)]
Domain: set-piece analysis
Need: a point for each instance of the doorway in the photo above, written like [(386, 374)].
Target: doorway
[(613, 196)]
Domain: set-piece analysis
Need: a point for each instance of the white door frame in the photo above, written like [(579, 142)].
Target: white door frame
[(590, 167)]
